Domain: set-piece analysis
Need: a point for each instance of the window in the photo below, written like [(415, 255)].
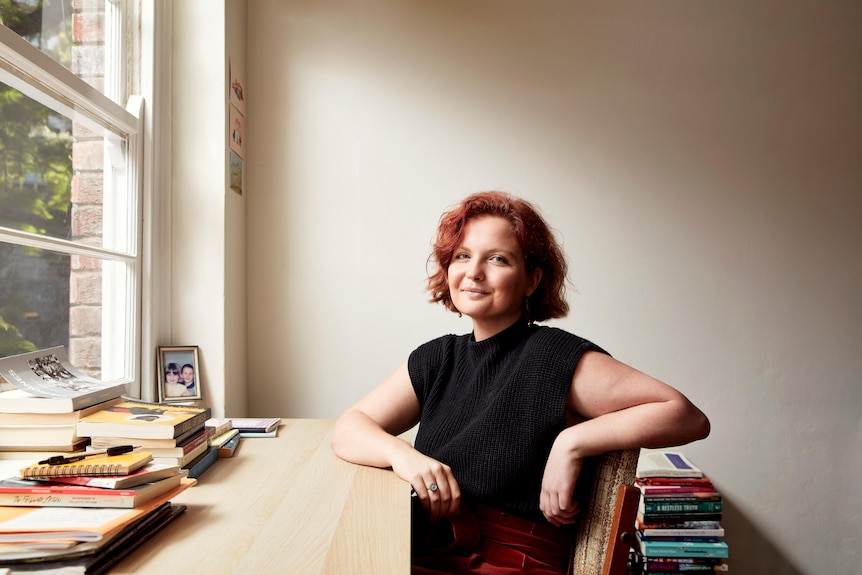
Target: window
[(70, 181)]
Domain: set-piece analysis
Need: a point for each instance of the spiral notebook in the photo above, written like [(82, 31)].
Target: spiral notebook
[(90, 466)]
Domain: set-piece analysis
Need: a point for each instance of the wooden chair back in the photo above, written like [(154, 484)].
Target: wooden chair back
[(608, 501)]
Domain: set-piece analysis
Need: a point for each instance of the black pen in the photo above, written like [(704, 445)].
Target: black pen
[(61, 459)]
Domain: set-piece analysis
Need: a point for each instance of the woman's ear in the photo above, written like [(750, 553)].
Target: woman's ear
[(533, 279)]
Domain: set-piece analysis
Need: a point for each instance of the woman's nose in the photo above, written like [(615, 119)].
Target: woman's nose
[(474, 272)]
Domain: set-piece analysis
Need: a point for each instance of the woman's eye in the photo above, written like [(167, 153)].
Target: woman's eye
[(499, 259), (461, 256)]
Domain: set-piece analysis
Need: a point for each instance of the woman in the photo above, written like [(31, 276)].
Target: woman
[(509, 412), (173, 386)]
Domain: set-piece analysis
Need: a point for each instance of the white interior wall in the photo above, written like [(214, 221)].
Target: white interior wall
[(699, 160), (208, 279)]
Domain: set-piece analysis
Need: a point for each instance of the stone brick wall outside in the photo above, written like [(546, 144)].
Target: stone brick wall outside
[(85, 278)]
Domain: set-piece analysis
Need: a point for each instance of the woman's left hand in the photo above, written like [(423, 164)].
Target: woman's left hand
[(558, 485)]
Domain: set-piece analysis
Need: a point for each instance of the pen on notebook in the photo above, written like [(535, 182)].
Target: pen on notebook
[(61, 459)]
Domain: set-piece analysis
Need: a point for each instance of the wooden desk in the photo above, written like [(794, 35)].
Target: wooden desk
[(285, 505)]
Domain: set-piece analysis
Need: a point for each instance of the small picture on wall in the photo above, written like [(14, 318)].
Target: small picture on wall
[(235, 173), (179, 373), (237, 87), (236, 132)]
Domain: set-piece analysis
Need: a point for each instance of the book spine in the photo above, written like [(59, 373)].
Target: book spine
[(691, 497), (706, 550), (650, 490), (202, 463), (196, 420), (683, 532), (125, 500), (669, 517), (664, 567), (676, 564), (682, 538), (656, 507)]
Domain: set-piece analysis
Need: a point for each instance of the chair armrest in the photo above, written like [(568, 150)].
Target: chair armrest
[(607, 513)]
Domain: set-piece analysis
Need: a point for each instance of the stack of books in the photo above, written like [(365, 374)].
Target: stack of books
[(679, 518), (174, 434), (47, 397), (85, 511), (224, 437)]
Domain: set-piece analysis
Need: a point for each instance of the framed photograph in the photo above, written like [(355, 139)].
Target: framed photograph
[(179, 373)]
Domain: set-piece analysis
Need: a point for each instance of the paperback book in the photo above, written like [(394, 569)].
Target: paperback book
[(138, 419), (666, 464), (26, 525), (251, 425), (229, 448), (46, 382), (65, 418), (94, 557), (21, 492), (654, 549)]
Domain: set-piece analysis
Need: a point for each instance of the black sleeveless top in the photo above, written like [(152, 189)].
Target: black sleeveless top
[(491, 410)]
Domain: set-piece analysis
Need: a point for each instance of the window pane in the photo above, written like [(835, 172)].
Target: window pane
[(55, 26), (59, 178), (49, 299)]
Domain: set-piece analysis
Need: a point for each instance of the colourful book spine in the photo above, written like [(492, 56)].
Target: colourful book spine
[(682, 549), (656, 507)]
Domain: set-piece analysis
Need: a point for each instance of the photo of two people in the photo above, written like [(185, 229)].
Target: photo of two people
[(179, 373)]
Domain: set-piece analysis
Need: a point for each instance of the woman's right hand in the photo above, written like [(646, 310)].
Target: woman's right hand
[(423, 472)]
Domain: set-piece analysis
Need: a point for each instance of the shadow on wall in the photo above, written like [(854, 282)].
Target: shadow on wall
[(752, 551)]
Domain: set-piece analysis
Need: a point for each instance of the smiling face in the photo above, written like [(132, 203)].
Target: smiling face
[(488, 277), (172, 376), (188, 375)]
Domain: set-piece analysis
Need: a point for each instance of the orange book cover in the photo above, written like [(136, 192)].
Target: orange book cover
[(22, 524)]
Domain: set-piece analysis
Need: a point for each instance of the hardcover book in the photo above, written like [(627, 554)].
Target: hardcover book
[(138, 419), (46, 382), (97, 465), (21, 492)]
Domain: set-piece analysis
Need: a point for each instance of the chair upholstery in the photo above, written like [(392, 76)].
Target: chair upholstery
[(608, 502)]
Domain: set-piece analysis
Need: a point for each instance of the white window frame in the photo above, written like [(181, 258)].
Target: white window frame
[(27, 69)]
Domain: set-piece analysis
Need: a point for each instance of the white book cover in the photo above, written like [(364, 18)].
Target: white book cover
[(666, 464), (48, 375)]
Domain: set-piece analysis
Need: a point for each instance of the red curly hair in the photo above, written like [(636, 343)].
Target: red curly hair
[(537, 241)]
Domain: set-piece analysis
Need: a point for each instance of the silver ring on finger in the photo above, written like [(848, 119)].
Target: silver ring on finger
[(432, 487)]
